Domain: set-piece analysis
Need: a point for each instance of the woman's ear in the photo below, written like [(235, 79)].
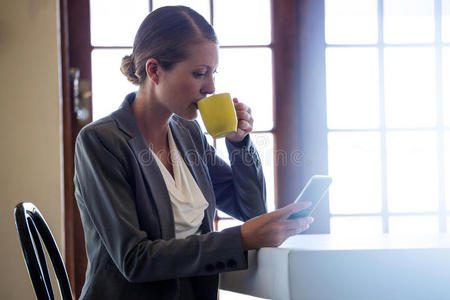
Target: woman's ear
[(152, 68)]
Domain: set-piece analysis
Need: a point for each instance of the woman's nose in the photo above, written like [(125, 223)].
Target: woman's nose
[(209, 87)]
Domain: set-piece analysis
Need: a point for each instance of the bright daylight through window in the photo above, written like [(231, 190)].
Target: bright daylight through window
[(387, 63)]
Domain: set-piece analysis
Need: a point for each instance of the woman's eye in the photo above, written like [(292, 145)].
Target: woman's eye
[(199, 74)]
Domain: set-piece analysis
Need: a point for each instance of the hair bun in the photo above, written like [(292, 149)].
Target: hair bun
[(128, 69)]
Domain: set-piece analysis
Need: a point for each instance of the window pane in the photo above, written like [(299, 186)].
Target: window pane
[(221, 214), (115, 22), (413, 224), (445, 81), (351, 21), (200, 6), (227, 295), (354, 163), (209, 139), (247, 75), (221, 150), (264, 144), (447, 168), (106, 74), (410, 87), (408, 21), (446, 20), (412, 171), (242, 22), (352, 88), (224, 224), (356, 226)]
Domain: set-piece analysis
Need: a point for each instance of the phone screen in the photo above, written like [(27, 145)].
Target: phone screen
[(314, 191)]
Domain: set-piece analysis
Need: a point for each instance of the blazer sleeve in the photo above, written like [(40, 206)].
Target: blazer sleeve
[(106, 200), (240, 189)]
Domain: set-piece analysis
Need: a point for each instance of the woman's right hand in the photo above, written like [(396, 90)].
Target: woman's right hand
[(272, 229)]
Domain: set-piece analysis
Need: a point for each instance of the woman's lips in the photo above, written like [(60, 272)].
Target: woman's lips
[(196, 101)]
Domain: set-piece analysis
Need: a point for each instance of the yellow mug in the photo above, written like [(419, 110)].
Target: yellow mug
[(218, 114)]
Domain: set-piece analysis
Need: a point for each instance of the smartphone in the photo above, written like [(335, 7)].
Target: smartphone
[(313, 192)]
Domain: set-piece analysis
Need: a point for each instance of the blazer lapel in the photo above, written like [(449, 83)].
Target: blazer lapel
[(149, 167), (157, 185)]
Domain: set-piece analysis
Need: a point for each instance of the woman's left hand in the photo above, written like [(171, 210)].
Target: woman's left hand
[(245, 121)]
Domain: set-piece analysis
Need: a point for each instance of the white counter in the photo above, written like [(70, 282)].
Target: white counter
[(324, 267)]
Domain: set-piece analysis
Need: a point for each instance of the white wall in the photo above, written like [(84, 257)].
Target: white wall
[(30, 158)]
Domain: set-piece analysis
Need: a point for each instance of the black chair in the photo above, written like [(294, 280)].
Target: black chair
[(31, 228)]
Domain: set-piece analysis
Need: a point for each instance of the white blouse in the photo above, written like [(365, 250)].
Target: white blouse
[(188, 202)]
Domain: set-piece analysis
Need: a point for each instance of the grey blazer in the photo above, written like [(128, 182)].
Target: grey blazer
[(127, 215)]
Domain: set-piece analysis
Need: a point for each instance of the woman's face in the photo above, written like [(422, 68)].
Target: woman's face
[(188, 81)]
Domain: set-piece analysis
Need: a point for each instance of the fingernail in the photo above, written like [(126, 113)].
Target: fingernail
[(235, 100), (310, 219)]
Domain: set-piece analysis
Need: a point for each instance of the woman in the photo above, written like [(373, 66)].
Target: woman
[(148, 183)]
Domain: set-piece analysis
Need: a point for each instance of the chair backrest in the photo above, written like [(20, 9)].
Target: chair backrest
[(32, 228)]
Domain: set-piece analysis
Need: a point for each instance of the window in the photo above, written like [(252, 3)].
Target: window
[(387, 62)]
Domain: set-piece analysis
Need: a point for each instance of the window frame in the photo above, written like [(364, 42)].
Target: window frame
[(442, 212), (310, 103)]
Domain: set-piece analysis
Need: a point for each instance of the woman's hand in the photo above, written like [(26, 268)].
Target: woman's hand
[(245, 121), (272, 229)]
